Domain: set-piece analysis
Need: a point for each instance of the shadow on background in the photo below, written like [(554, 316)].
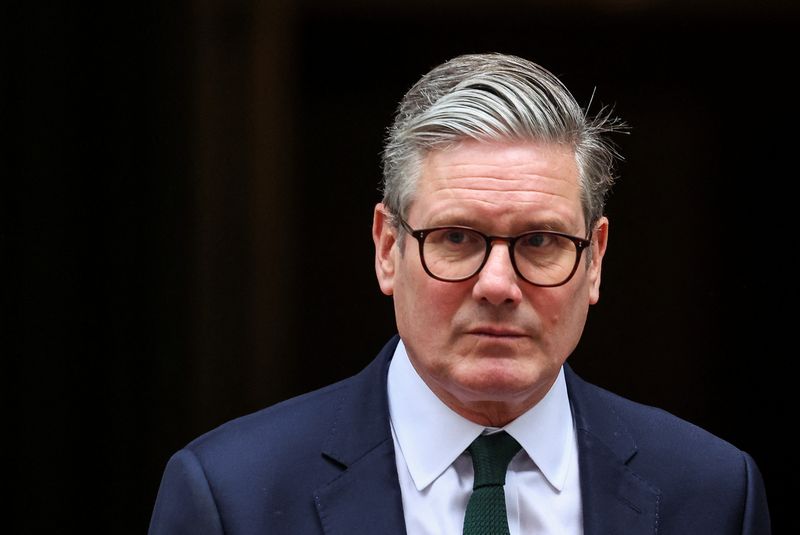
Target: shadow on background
[(188, 207)]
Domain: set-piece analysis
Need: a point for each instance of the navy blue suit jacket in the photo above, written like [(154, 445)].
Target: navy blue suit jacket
[(324, 463)]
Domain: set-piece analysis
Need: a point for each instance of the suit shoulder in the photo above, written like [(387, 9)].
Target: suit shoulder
[(299, 423), (704, 484), (286, 425), (649, 422), (665, 440)]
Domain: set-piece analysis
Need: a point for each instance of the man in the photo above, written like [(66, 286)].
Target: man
[(490, 239)]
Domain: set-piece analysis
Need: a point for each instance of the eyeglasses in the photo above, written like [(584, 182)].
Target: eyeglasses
[(541, 257)]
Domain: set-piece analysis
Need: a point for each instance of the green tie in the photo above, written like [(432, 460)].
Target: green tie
[(486, 510)]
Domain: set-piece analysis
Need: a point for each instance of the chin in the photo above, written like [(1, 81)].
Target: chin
[(500, 383)]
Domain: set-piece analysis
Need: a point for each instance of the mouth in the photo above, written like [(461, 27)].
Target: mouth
[(497, 332)]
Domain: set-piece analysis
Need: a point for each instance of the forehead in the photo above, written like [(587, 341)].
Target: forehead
[(512, 184)]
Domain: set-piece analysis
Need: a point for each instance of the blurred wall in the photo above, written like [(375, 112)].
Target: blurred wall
[(187, 205)]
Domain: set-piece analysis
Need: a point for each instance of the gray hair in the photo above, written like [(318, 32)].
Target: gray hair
[(495, 97)]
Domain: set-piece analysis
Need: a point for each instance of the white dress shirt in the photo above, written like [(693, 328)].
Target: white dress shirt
[(542, 484)]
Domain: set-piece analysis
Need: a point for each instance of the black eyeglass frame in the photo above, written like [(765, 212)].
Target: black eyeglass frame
[(421, 234)]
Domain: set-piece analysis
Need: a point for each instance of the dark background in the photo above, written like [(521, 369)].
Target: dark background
[(186, 210)]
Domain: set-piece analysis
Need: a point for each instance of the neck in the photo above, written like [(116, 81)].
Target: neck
[(491, 413)]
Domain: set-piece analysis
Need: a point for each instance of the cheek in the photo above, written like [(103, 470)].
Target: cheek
[(424, 306), (563, 314)]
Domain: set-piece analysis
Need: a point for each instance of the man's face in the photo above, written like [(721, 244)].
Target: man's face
[(490, 347)]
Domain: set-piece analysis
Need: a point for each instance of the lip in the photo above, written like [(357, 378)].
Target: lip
[(497, 332)]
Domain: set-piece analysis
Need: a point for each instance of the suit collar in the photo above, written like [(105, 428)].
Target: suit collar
[(362, 415), (593, 415), (615, 499), (365, 497)]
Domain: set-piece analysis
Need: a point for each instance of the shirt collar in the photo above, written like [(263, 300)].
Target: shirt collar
[(431, 436)]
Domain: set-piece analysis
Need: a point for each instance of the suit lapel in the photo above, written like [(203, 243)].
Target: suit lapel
[(365, 497), (615, 499)]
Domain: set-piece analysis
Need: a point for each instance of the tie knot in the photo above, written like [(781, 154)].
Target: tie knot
[(490, 457)]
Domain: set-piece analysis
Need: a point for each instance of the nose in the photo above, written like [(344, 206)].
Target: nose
[(498, 282)]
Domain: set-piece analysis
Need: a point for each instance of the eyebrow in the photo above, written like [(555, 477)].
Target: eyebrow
[(478, 224)]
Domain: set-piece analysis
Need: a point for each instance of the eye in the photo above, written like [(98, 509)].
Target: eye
[(536, 240), (455, 239), (455, 236)]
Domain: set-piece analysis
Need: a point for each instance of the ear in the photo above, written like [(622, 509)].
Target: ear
[(384, 234), (599, 244)]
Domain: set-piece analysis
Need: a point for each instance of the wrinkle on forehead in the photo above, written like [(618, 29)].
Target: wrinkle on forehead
[(502, 167), (512, 171), (510, 195), (502, 181), (513, 188)]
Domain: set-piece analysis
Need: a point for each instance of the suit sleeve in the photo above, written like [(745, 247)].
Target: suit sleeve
[(756, 519), (185, 503)]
